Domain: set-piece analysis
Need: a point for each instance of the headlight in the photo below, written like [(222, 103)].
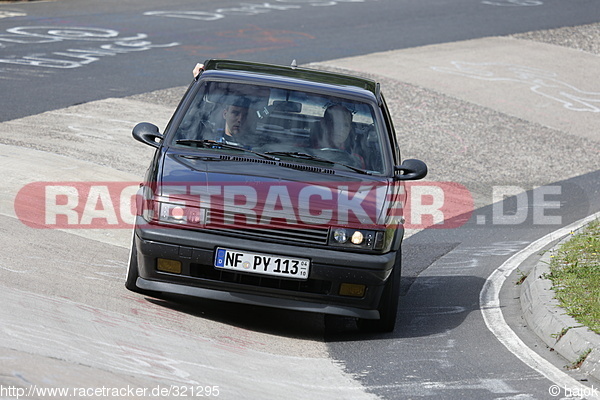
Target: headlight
[(180, 214), (357, 238), (340, 235), (170, 211)]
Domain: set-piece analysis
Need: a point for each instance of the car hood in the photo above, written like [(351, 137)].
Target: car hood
[(257, 190)]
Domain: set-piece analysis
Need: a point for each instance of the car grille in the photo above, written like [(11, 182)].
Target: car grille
[(275, 230), (315, 286)]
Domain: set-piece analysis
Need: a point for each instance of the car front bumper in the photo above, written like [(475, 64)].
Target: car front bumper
[(195, 250)]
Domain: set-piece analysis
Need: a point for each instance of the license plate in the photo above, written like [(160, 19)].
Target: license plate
[(263, 264)]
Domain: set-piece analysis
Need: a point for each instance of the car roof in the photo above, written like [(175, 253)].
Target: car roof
[(292, 74)]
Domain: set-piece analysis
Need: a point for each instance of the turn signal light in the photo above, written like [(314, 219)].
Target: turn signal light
[(171, 266), (352, 290)]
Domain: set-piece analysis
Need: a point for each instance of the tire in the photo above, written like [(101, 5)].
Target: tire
[(133, 274), (388, 304)]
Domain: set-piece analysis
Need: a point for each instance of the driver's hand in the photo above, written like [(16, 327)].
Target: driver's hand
[(199, 67)]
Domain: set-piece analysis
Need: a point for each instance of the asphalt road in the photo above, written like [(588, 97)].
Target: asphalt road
[(498, 112), (55, 54), (67, 321)]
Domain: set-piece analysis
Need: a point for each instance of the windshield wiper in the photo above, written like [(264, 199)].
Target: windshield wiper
[(306, 156), (297, 154), (213, 144)]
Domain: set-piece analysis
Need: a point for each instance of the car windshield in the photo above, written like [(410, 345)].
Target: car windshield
[(304, 126)]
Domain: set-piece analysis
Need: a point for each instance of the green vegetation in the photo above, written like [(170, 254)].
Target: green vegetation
[(575, 274), (577, 363)]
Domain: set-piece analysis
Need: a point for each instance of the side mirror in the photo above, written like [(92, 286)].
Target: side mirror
[(411, 170), (147, 133)]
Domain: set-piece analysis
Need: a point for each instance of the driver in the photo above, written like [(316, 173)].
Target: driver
[(235, 115), (235, 131)]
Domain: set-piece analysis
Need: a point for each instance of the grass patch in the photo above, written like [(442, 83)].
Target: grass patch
[(579, 362), (575, 275), (522, 277)]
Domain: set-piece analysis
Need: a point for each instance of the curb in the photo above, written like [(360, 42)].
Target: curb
[(548, 320)]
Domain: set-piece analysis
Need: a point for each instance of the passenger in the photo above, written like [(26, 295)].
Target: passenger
[(337, 126), (337, 133)]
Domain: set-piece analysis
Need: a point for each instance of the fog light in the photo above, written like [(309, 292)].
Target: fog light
[(352, 289), (171, 266)]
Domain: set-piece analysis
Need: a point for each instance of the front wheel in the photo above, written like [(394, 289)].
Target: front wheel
[(133, 274), (388, 304)]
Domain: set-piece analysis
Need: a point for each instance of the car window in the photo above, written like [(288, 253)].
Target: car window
[(279, 120)]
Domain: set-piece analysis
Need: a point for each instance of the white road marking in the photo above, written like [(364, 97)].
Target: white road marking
[(492, 313)]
